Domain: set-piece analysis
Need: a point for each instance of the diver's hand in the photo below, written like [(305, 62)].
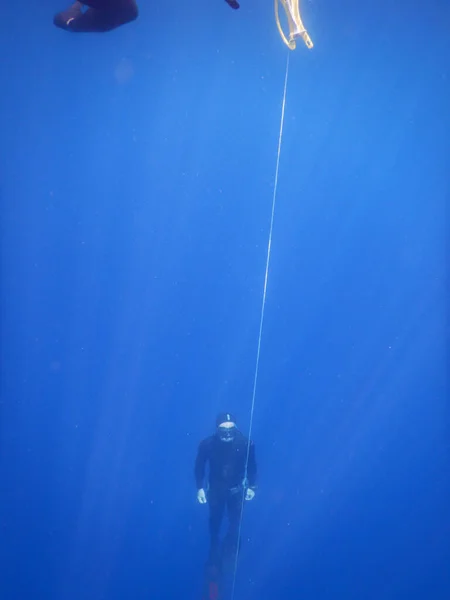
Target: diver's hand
[(201, 496), (249, 494), (233, 3)]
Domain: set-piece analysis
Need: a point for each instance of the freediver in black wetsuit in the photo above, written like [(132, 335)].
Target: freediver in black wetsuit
[(96, 15), (229, 484)]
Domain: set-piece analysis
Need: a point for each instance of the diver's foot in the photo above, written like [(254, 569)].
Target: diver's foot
[(233, 3)]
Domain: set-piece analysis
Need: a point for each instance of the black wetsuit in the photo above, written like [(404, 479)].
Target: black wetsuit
[(99, 16), (226, 461)]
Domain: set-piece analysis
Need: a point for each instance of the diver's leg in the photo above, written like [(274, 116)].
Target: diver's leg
[(98, 4), (233, 3), (123, 6), (217, 502), (234, 506)]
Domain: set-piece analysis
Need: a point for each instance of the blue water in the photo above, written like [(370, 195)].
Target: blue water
[(136, 180)]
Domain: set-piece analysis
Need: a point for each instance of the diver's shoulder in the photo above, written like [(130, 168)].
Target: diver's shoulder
[(243, 439), (207, 442)]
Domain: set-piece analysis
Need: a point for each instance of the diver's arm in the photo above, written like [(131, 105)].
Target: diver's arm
[(200, 464)]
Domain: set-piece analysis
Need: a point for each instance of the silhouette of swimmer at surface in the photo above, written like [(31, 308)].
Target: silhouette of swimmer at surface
[(96, 16)]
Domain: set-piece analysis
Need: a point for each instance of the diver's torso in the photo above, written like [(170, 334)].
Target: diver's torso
[(227, 462)]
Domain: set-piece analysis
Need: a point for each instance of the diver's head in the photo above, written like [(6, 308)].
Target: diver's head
[(226, 427)]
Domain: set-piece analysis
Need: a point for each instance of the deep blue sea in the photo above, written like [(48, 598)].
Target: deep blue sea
[(137, 175)]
